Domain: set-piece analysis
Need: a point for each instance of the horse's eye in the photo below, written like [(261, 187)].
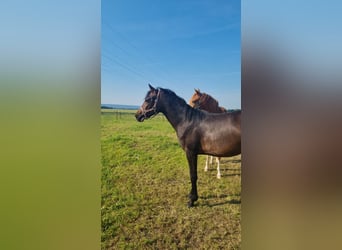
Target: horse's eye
[(149, 99)]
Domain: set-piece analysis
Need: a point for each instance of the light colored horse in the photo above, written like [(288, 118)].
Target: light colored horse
[(208, 103)]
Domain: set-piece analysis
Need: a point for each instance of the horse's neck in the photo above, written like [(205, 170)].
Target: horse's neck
[(210, 104), (175, 112)]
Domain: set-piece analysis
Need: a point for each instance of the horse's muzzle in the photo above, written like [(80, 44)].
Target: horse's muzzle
[(139, 116)]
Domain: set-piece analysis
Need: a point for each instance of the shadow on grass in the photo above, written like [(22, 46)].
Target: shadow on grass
[(233, 201), (227, 175), (230, 161), (235, 172), (224, 169), (209, 198)]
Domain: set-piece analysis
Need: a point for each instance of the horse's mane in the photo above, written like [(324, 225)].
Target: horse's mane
[(190, 112), (206, 97), (173, 94)]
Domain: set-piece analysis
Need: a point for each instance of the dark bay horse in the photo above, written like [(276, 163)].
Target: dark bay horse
[(198, 132), (208, 103)]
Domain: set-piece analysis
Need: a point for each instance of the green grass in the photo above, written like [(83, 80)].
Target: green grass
[(145, 183)]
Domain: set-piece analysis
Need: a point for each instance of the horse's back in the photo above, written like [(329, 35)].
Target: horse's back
[(233, 118), (221, 134)]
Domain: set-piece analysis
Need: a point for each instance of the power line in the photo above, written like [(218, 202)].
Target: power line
[(113, 60), (138, 52)]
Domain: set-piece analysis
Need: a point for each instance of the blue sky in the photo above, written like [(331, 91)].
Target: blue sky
[(179, 45)]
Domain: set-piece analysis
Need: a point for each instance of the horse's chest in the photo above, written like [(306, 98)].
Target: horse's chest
[(188, 139)]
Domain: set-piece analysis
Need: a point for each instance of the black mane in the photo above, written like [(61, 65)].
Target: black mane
[(173, 94), (190, 112)]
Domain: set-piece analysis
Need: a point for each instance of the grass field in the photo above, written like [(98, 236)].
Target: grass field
[(145, 184)]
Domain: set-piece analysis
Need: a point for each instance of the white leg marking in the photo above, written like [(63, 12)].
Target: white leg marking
[(206, 164), (218, 168)]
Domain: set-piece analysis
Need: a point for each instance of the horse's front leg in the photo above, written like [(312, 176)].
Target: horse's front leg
[(192, 161)]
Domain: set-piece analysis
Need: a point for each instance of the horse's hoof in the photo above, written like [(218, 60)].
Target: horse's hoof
[(193, 198), (190, 204)]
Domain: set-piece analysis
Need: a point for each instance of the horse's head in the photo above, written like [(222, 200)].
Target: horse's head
[(149, 107), (195, 99)]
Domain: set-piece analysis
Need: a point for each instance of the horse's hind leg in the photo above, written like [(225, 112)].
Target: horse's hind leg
[(211, 159), (206, 164), (218, 167)]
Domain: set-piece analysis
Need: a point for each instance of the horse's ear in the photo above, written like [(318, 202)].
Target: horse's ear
[(197, 91), (151, 88)]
